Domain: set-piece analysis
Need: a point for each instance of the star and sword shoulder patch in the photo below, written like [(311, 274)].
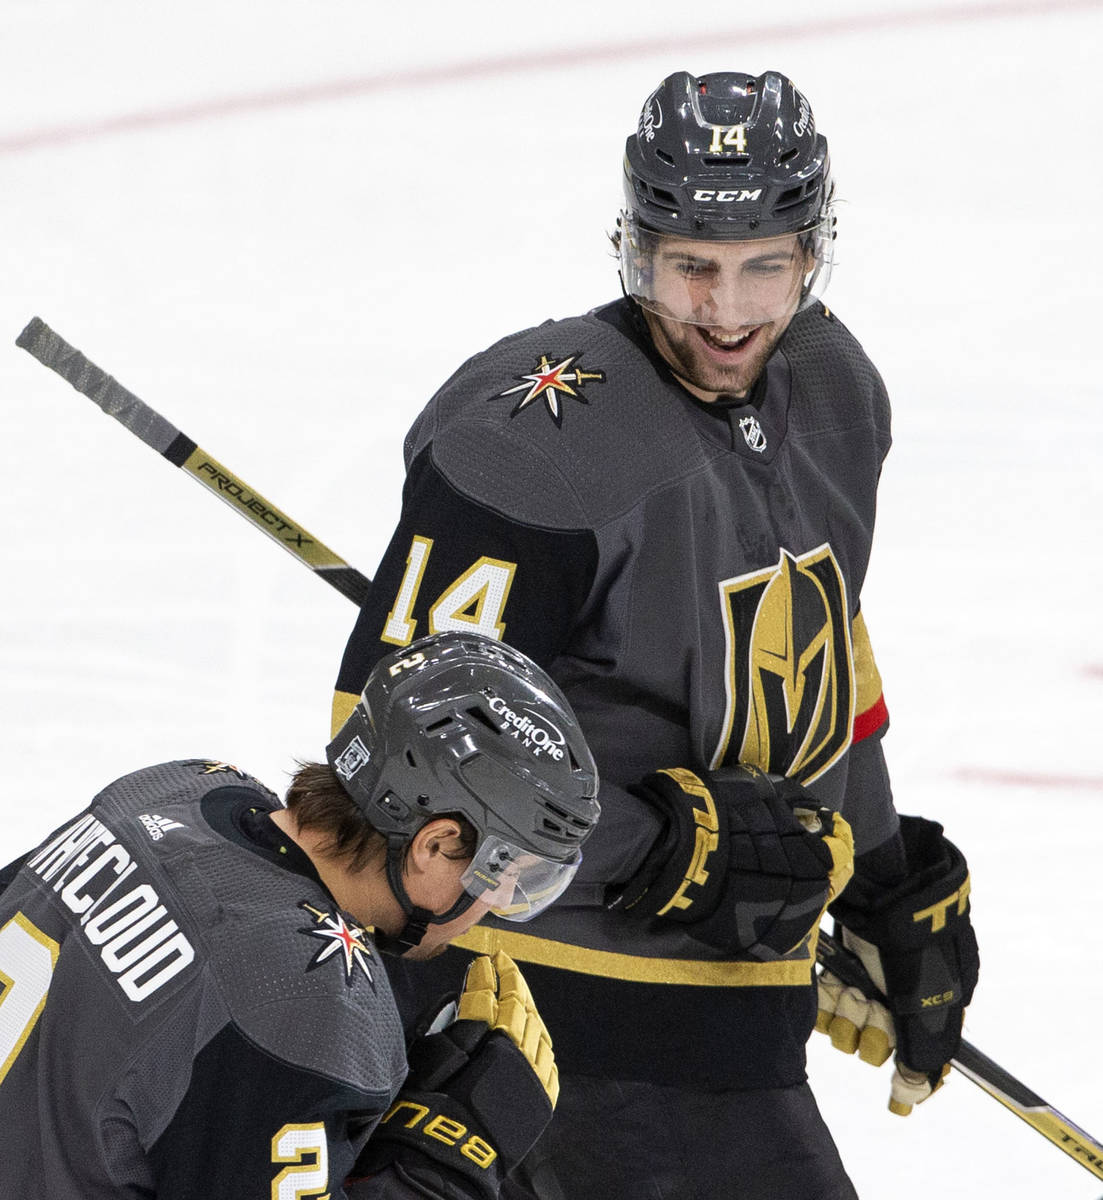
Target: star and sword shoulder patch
[(343, 942), (552, 379)]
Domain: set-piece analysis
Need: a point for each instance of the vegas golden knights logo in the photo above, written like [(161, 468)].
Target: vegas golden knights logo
[(789, 667)]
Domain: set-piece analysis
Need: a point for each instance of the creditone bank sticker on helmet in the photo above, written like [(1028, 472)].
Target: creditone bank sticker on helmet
[(352, 758), (534, 732)]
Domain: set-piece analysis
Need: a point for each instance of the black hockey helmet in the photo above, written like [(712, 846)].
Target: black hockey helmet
[(460, 723), (725, 157)]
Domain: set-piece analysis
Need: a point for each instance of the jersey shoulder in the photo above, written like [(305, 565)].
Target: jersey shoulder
[(559, 425), (294, 974), (835, 384)]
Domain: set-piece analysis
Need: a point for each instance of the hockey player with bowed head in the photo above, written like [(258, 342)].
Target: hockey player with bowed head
[(193, 1003), (668, 502)]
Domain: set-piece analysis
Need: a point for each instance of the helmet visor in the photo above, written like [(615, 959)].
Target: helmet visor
[(729, 284), (516, 884)]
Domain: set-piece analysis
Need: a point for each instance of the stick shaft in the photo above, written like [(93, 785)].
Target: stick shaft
[(39, 340), (987, 1074)]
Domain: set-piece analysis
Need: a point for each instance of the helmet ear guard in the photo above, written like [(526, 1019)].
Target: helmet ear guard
[(461, 725)]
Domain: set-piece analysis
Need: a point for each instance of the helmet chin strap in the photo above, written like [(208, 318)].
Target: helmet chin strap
[(418, 919)]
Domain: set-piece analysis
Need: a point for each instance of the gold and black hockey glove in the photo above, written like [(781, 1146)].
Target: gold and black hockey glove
[(916, 942), (478, 1094), (746, 862)]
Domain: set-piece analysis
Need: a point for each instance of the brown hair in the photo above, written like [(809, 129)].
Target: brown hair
[(319, 803)]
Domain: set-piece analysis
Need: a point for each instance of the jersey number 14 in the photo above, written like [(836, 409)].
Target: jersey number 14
[(472, 603)]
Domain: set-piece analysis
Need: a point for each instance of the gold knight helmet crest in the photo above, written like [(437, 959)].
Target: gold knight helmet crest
[(790, 674)]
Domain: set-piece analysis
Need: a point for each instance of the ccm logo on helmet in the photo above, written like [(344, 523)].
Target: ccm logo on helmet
[(728, 197), (540, 738)]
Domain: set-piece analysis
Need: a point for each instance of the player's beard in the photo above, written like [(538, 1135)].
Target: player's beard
[(707, 369)]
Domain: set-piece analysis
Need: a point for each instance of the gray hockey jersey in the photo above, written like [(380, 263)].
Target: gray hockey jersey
[(182, 1014), (691, 575)]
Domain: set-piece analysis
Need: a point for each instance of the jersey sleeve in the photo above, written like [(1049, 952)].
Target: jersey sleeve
[(868, 804), (456, 563), (251, 1125)]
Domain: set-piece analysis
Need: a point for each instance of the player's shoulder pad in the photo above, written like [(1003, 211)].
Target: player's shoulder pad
[(835, 384), (564, 425), (181, 780), (296, 975)]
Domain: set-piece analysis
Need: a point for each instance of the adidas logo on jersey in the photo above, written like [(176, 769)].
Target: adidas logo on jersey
[(157, 826)]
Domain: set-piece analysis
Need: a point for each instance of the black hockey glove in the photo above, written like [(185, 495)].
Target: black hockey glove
[(478, 1094), (747, 863), (916, 941)]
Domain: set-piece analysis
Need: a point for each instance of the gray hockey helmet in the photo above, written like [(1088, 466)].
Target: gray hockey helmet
[(727, 156), (458, 723)]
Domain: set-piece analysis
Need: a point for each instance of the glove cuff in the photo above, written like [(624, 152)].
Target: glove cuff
[(670, 884), (425, 1126)]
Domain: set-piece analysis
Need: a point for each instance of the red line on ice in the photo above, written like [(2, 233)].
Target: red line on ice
[(1036, 779), (565, 58)]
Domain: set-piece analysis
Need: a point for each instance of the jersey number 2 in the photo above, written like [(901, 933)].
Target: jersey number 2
[(294, 1144), (472, 603), (27, 960)]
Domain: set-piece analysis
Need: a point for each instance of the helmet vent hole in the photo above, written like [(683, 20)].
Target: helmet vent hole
[(552, 826), (410, 760), (790, 153), (437, 726), (477, 714), (664, 197), (664, 157)]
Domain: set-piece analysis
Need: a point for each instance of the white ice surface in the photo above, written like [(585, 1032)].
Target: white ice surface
[(283, 225)]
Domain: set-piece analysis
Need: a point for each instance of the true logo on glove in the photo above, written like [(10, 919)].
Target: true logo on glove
[(937, 912), (445, 1130)]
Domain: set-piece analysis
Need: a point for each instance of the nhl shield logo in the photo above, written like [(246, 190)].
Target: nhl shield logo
[(752, 433)]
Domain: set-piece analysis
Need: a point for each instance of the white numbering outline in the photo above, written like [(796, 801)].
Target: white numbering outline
[(27, 960), (301, 1178), (472, 603)]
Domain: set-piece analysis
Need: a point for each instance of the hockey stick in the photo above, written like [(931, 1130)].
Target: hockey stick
[(974, 1065), (145, 423)]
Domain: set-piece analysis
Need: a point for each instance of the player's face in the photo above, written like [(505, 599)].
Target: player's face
[(717, 309)]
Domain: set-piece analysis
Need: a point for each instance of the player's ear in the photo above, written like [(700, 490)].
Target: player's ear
[(435, 844)]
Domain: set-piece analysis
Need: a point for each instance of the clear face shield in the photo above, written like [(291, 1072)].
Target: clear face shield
[(725, 284), (516, 884)]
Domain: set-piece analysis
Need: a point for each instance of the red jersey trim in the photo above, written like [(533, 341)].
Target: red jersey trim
[(868, 722)]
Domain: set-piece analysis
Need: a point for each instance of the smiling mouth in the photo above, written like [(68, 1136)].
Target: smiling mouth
[(729, 343)]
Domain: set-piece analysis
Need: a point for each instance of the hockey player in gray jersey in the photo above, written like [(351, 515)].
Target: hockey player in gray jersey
[(669, 503), (191, 998)]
